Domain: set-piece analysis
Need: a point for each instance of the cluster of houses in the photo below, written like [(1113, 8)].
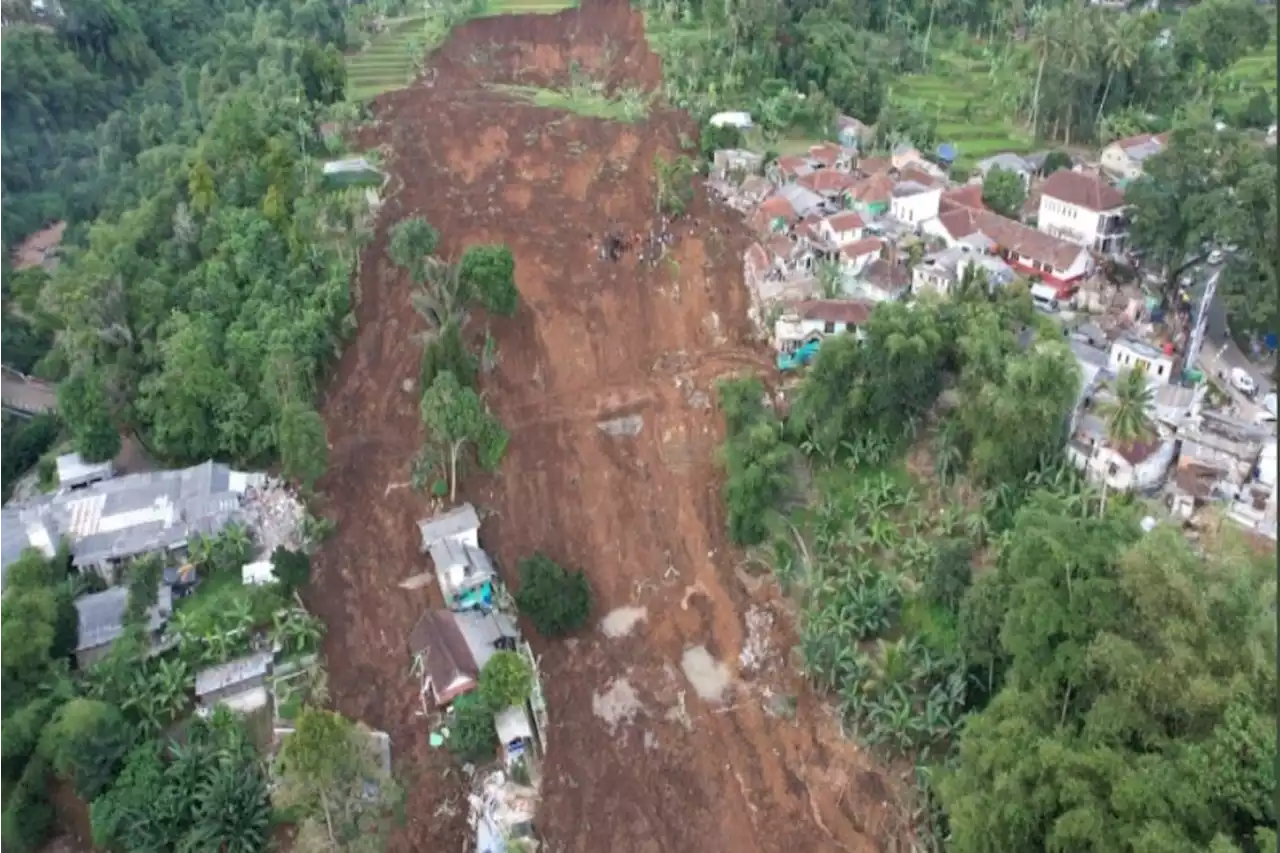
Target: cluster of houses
[(836, 233), (450, 647)]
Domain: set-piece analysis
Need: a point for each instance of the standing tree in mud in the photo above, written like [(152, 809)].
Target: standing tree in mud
[(412, 241), (456, 416), (488, 272), (674, 180)]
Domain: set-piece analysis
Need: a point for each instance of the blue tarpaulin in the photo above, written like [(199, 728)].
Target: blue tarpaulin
[(947, 152)]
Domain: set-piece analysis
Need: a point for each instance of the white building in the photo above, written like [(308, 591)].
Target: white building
[(1084, 210), (914, 203), (1124, 157), (855, 256), (740, 120), (842, 228), (1128, 353), (940, 272), (817, 318), (1139, 466)]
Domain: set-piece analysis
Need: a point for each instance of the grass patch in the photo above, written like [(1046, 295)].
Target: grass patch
[(390, 60), (628, 105), (526, 7), (931, 623)]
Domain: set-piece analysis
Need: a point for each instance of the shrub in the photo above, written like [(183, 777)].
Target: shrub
[(86, 741), (556, 600), (506, 680), (292, 568), (472, 736), (489, 272), (28, 814)]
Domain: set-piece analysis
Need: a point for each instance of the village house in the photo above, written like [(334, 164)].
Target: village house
[(788, 168), (775, 215), (805, 201), (1053, 260), (1136, 466), (852, 133), (883, 280), (1123, 158), (1128, 353), (1083, 210), (855, 256), (905, 155), (239, 684), (870, 196), (450, 648), (1008, 163), (829, 184), (736, 164), (869, 167), (110, 521), (1225, 450), (939, 272), (913, 203), (813, 320), (842, 228), (789, 257), (463, 570), (100, 621), (967, 197), (831, 156)]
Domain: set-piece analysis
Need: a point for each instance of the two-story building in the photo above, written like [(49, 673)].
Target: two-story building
[(813, 320), (1085, 210), (913, 202), (1058, 262), (1128, 353)]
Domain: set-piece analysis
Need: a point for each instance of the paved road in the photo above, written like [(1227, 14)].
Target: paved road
[(1219, 349), (27, 395)]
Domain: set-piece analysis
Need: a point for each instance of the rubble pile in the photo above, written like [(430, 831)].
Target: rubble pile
[(502, 811), (275, 515)]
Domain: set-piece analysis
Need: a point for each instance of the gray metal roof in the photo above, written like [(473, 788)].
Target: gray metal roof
[(73, 469), (101, 615), (482, 631), (802, 200), (128, 516), (1142, 348), (1008, 162), (477, 567), (455, 522), (233, 672)]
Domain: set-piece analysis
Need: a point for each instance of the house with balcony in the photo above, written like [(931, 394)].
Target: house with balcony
[(1085, 210)]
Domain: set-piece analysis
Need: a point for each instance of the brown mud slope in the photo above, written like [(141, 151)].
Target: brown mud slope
[(638, 761)]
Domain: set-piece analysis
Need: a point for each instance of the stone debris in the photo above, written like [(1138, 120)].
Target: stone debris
[(617, 705), (275, 515), (629, 426), (757, 649), (622, 621), (710, 678)]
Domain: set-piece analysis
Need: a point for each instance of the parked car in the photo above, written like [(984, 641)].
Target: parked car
[(1243, 382)]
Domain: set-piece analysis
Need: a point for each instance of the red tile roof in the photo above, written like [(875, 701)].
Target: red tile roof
[(878, 188), (827, 153), (875, 165), (862, 248), (1087, 191), (968, 196), (1141, 139), (792, 165), (847, 311), (826, 182), (1012, 236), (911, 172), (847, 221), (1136, 452)]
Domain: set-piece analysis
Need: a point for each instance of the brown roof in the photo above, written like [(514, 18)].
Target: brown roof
[(848, 220), (826, 182), (827, 153), (1142, 139), (789, 164), (874, 189), (874, 165), (776, 205), (848, 311), (862, 248), (887, 275), (1087, 191), (911, 172), (446, 659), (1012, 236), (968, 196), (1137, 451)]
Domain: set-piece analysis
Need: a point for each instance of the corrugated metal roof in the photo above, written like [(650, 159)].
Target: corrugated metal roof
[(101, 615), (455, 522), (232, 672)]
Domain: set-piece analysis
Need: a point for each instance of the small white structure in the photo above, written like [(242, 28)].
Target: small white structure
[(239, 684), (515, 733), (913, 203), (463, 570), (740, 120), (1128, 353), (75, 473), (815, 319), (1124, 158), (855, 256), (842, 228), (1136, 467), (258, 573)]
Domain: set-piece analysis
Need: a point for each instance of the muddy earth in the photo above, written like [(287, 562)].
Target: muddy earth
[(678, 722)]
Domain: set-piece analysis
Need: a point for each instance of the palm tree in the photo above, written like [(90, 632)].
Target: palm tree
[(441, 299), (1041, 41), (1129, 412), (1120, 52)]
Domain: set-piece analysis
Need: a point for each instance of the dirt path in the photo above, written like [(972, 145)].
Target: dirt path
[(638, 759)]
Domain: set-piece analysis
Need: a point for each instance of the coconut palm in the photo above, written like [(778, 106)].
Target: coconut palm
[(1128, 414), (442, 297), (1120, 52)]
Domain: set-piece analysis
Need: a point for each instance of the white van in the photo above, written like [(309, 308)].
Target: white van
[(1044, 297)]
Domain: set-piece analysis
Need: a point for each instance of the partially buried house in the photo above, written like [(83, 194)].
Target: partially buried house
[(450, 648), (463, 570)]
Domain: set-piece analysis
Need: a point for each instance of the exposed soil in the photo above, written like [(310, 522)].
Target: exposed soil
[(594, 341)]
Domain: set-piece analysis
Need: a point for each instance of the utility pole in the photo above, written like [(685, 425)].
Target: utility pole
[(1202, 320)]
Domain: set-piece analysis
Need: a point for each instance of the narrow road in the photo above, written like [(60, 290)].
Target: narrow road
[(24, 394)]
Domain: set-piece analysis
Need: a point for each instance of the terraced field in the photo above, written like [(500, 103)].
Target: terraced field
[(390, 60), (960, 92)]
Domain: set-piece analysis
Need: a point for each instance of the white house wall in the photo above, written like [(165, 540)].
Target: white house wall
[(916, 209)]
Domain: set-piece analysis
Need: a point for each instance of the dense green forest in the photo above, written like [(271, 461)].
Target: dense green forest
[(1062, 680)]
